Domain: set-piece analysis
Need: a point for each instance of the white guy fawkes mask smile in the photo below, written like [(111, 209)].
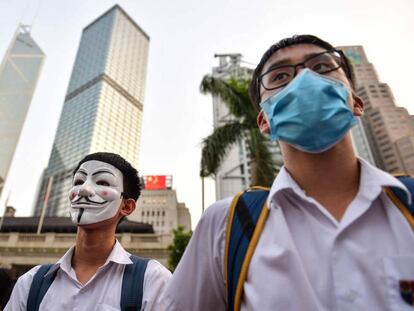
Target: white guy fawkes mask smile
[(96, 192)]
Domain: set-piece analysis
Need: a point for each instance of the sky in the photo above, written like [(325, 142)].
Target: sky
[(185, 35)]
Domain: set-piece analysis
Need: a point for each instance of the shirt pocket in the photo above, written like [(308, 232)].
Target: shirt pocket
[(399, 277)]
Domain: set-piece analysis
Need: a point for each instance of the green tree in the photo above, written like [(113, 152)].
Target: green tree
[(240, 124), (177, 248)]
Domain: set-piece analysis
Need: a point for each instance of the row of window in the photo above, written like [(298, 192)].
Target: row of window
[(154, 201), (152, 213)]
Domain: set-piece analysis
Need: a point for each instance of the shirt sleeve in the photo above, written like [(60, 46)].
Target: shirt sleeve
[(20, 293), (198, 283), (155, 278)]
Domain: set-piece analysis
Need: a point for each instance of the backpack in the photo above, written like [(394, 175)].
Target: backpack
[(131, 293), (247, 216)]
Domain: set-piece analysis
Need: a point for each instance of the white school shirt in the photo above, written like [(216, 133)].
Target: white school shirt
[(305, 259), (102, 292)]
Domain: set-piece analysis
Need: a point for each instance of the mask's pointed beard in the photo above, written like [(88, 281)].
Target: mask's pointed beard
[(80, 214)]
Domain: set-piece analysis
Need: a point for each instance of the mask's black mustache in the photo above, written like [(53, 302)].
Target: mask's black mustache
[(80, 213), (87, 201)]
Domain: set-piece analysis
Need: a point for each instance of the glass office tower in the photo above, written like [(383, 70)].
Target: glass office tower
[(104, 103), (19, 72)]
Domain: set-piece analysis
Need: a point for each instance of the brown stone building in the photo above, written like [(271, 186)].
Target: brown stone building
[(21, 248), (389, 128)]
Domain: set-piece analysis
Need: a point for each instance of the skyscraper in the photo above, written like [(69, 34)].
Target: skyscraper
[(361, 143), (103, 105), (234, 173), (389, 128), (19, 72)]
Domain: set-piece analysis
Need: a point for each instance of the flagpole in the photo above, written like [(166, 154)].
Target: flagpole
[(46, 200)]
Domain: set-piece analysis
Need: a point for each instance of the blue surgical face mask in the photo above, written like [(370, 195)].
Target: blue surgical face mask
[(311, 113)]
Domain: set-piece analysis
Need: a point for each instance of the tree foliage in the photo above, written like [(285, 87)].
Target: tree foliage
[(178, 246), (239, 124)]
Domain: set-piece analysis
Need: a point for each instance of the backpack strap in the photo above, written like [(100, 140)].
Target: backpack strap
[(133, 284), (247, 216), (400, 199), (39, 287)]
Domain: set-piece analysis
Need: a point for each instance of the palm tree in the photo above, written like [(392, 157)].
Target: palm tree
[(240, 124)]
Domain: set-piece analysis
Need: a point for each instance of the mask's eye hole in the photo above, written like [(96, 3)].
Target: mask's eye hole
[(102, 183), (78, 182)]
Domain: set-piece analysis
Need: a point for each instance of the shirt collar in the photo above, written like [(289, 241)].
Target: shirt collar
[(371, 178), (118, 255), (64, 262)]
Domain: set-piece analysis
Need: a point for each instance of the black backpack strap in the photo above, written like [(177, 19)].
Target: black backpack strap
[(400, 199), (39, 287), (133, 284)]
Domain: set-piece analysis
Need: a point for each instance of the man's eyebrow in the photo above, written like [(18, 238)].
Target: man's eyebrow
[(288, 61), (82, 172), (285, 61), (103, 171)]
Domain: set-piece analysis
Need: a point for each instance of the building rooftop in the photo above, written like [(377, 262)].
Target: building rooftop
[(64, 225), (118, 7)]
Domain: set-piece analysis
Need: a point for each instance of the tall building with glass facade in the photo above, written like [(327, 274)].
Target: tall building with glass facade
[(389, 128), (19, 73), (103, 105), (234, 173)]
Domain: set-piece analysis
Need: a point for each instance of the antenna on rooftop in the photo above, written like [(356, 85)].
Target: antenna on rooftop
[(235, 58), (36, 12)]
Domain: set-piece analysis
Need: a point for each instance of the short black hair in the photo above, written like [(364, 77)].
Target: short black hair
[(132, 183), (296, 39)]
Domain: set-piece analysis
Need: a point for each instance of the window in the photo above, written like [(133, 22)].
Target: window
[(382, 137), (391, 162), (386, 149), (373, 114)]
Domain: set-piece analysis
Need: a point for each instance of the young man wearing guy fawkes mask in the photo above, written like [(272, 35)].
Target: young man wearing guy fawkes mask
[(330, 238), (90, 275)]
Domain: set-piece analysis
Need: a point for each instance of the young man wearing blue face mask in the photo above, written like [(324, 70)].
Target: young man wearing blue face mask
[(92, 274), (329, 238)]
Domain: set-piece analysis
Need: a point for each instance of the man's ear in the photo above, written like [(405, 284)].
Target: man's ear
[(127, 207), (263, 123), (358, 105)]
